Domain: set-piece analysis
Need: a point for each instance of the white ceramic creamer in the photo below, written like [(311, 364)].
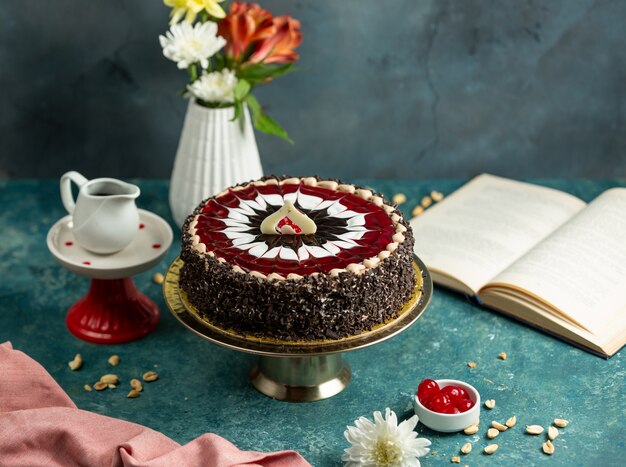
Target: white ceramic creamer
[(104, 217)]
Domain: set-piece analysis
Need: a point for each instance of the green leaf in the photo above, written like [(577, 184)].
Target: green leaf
[(220, 62), (238, 110), (242, 89), (264, 122), (254, 106), (259, 72), (267, 124)]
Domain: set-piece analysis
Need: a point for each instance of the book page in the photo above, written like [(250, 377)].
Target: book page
[(581, 268), (486, 225)]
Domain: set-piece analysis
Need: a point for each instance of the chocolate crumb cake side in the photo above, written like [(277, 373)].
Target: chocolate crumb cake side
[(297, 259)]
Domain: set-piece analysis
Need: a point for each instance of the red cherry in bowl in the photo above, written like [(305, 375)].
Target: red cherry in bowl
[(441, 403), (464, 394), (426, 390), (455, 393), (441, 415), (464, 405)]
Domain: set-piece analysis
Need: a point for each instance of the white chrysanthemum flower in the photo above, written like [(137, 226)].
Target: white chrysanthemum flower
[(217, 87), (384, 443), (186, 44)]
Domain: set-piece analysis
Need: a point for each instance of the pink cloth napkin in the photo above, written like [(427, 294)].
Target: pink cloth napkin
[(41, 426)]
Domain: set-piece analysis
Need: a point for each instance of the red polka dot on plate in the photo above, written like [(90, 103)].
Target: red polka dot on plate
[(156, 245), (141, 226), (69, 243), (87, 263)]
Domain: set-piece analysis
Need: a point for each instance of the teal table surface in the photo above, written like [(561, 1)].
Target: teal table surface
[(204, 387)]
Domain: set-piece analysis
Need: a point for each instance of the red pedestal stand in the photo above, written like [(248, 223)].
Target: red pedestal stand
[(112, 312)]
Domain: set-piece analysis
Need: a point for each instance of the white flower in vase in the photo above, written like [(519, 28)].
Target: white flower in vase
[(205, 161), (384, 443), (217, 87), (186, 44)]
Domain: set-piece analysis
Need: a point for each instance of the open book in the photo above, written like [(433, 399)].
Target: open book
[(537, 254)]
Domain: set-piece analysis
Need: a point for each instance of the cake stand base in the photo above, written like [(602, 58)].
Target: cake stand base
[(297, 371), (112, 312), (301, 379)]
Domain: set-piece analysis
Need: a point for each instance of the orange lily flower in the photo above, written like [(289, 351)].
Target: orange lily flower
[(245, 24), (279, 48)]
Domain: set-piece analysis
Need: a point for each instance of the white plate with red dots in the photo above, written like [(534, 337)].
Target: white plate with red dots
[(153, 239)]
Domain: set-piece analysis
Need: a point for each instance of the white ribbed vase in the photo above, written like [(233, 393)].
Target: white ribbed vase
[(213, 154)]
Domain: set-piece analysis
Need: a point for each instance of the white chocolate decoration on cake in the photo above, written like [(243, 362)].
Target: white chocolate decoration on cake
[(288, 221)]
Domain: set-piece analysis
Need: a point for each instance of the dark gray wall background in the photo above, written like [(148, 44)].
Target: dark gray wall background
[(395, 88)]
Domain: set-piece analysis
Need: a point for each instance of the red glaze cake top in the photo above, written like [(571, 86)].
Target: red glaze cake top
[(353, 229)]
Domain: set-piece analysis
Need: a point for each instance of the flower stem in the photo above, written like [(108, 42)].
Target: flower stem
[(193, 72)]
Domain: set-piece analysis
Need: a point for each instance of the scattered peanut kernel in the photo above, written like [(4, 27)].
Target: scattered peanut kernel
[(417, 210), (472, 364), (114, 360), (455, 460), (466, 448), (436, 196), (398, 198), (534, 429), (499, 426), (150, 376), (490, 403), (511, 421), (560, 422), (132, 394), (492, 433), (471, 430), (552, 433), (426, 201), (87, 388), (112, 386), (158, 278), (136, 385), (77, 363), (490, 449), (548, 448), (110, 379), (99, 386), (502, 356)]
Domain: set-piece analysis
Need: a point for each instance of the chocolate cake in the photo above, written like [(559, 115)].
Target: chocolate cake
[(297, 259)]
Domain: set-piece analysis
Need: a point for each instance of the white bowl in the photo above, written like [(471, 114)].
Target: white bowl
[(450, 423)]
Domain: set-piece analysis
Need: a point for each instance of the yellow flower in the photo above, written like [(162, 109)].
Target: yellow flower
[(191, 8), (211, 6)]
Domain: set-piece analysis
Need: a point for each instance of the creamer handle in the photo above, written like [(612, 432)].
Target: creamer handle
[(66, 189)]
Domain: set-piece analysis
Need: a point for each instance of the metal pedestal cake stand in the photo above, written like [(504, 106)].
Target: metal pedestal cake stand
[(297, 371)]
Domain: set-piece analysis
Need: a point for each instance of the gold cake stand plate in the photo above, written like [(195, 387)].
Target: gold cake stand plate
[(297, 371)]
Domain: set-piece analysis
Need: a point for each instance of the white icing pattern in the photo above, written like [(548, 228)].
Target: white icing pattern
[(238, 226)]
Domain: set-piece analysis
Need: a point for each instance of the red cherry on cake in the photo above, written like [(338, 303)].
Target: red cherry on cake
[(455, 393), (426, 390), (286, 221), (464, 405), (441, 403)]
